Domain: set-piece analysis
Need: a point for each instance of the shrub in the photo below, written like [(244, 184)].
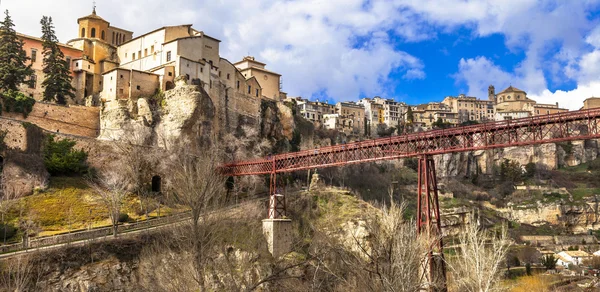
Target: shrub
[(15, 101), (123, 217), (10, 231), (594, 164), (61, 159)]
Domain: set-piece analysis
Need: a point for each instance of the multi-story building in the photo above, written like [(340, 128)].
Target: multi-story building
[(374, 113), (138, 67), (470, 108), (314, 110), (269, 80), (393, 111), (355, 112), (338, 122), (425, 115), (33, 48)]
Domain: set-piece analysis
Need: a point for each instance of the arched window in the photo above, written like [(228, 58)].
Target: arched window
[(93, 35), (83, 32), (103, 35), (113, 38)]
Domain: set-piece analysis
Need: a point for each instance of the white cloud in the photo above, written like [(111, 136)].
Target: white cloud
[(572, 99), (340, 47), (479, 73)]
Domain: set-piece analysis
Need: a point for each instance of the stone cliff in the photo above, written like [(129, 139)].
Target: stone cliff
[(484, 161)]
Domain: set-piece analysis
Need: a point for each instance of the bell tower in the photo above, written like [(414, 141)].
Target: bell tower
[(492, 93), (93, 26)]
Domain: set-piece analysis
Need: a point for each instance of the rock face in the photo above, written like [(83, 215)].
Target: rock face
[(22, 173), (483, 161), (186, 113)]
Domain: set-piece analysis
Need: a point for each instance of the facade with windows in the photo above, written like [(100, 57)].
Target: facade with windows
[(314, 111), (269, 80), (470, 108), (393, 111), (34, 50), (353, 112)]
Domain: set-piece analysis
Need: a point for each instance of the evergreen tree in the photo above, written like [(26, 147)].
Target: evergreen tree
[(57, 85), (13, 71), (410, 118)]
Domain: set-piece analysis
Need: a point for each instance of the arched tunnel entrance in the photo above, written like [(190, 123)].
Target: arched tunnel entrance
[(156, 184)]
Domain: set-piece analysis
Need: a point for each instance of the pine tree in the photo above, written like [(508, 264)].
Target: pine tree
[(409, 115), (57, 85), (13, 71)]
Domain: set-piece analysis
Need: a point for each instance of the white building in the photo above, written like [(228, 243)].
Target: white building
[(575, 257)]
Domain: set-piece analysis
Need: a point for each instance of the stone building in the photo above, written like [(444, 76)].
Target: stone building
[(269, 80), (591, 102), (34, 50), (426, 114), (470, 108), (355, 113), (512, 103), (338, 122), (98, 40), (314, 111)]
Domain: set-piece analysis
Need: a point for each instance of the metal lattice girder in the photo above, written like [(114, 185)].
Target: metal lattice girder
[(576, 125)]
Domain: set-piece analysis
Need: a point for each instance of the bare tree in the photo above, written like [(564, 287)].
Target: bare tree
[(198, 185), (135, 163), (16, 273), (8, 196), (110, 190), (477, 267)]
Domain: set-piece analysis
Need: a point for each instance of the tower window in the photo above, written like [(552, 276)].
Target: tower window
[(93, 33), (249, 89), (227, 76), (238, 84), (103, 35), (83, 32), (33, 55), (257, 93), (113, 38)]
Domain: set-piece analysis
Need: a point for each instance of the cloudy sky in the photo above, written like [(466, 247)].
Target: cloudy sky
[(411, 50)]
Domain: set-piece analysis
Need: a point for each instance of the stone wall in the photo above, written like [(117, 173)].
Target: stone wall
[(74, 120), (16, 133)]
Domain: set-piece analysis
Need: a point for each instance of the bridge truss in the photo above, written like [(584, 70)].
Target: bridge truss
[(568, 126)]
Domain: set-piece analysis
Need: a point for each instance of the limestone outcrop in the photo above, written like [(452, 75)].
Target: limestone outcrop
[(552, 155)]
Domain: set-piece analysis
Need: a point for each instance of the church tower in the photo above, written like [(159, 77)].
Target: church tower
[(492, 93), (93, 26)]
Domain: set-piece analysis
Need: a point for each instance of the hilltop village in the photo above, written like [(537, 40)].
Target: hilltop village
[(112, 69)]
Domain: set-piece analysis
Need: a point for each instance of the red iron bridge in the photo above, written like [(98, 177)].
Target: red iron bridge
[(568, 126)]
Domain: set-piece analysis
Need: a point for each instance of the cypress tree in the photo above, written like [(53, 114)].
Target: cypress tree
[(13, 71), (57, 84)]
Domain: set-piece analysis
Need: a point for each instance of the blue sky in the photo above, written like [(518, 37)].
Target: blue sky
[(411, 50)]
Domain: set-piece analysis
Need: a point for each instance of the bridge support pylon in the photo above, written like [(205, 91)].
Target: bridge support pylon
[(429, 224), (277, 228)]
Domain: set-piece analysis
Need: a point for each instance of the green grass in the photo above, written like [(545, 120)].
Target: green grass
[(69, 204)]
